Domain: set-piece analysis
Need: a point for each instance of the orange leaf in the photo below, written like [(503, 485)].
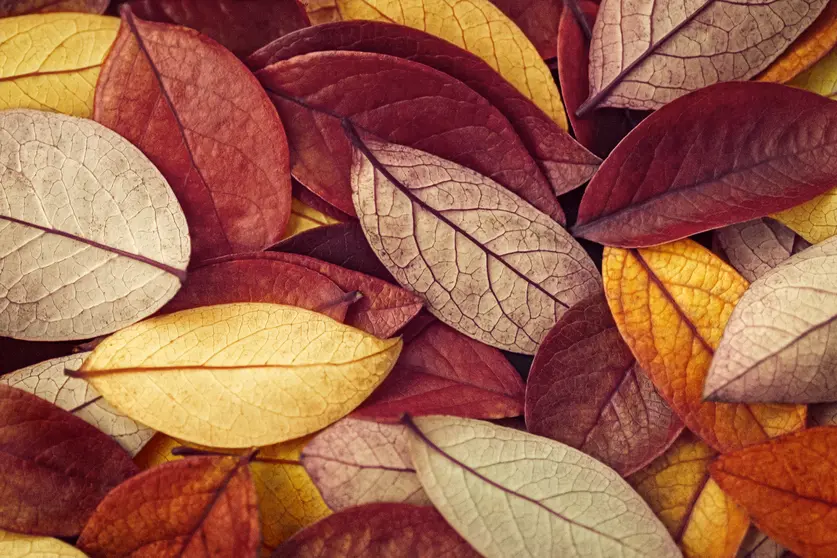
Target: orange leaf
[(671, 303)]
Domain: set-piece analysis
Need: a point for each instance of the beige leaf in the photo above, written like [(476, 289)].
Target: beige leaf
[(755, 247), (355, 462), (92, 238), (48, 381), (486, 262), (513, 494), (14, 545), (239, 375)]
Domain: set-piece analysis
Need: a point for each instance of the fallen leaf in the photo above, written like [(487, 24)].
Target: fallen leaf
[(814, 43), (821, 78), (321, 11), (646, 54), (510, 493), (43, 448), (355, 462), (436, 113), (379, 530), (786, 486), (257, 278), (755, 247), (702, 519), (14, 545), (239, 375), (777, 346), (585, 389), (758, 545), (242, 26), (91, 236), (304, 218), (315, 202), (814, 220), (197, 112), (202, 506), (21, 7), (565, 163), (538, 19), (476, 26), (658, 186), (486, 262), (48, 381), (441, 371), (671, 304)]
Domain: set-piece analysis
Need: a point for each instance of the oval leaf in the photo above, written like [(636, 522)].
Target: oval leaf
[(239, 375), (14, 545), (657, 186), (486, 262), (585, 389), (671, 304), (755, 247), (203, 119), (203, 506), (91, 236)]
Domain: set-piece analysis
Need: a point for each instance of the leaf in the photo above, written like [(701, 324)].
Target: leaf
[(813, 220), (91, 236), (757, 545), (241, 26), (476, 26), (777, 345), (510, 493), (702, 519), (239, 375), (437, 113), (659, 186), (321, 11), (315, 202), (355, 462), (537, 19), (202, 118), (755, 247), (486, 263), (565, 163), (20, 7), (824, 414), (380, 530), (44, 447), (304, 218), (645, 54), (814, 43), (202, 506), (821, 78), (441, 371), (785, 485), (48, 381), (671, 304), (258, 278), (585, 389), (13, 545)]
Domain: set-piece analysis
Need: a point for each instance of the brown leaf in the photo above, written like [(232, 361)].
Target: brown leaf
[(585, 389), (55, 467), (755, 247), (20, 7), (194, 508), (538, 19), (201, 117)]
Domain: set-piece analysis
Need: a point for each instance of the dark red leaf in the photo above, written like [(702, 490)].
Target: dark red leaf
[(20, 7), (538, 19), (314, 201)]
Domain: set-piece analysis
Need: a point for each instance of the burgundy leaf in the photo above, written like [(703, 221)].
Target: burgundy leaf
[(538, 19), (20, 7)]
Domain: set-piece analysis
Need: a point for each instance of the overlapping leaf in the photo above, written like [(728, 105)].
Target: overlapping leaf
[(755, 247), (14, 545), (21, 7), (538, 19), (304, 218), (758, 545)]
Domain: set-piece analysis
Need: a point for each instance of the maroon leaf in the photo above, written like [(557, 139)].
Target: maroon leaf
[(314, 201), (725, 154), (20, 7), (538, 19), (586, 390)]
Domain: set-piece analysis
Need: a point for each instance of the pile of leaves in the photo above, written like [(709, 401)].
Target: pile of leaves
[(418, 278)]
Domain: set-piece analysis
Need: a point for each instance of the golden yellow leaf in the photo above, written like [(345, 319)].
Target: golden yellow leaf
[(671, 304), (304, 218), (14, 545), (52, 61), (479, 27), (321, 11), (239, 375), (702, 519)]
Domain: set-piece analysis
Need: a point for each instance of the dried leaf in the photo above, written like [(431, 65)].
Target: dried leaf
[(198, 507), (14, 545), (778, 346), (48, 381), (479, 27), (786, 486), (510, 493), (646, 54), (585, 389), (379, 530), (758, 545), (814, 220), (317, 203), (538, 19), (658, 186), (242, 26), (702, 519), (43, 448), (821, 78), (203, 119), (321, 11), (21, 7), (755, 247), (355, 462), (487, 263), (91, 236), (239, 375), (304, 218), (671, 304)]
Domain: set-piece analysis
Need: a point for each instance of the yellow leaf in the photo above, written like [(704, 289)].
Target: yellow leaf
[(702, 519), (321, 11), (13, 545), (52, 61), (479, 27), (288, 498), (671, 304), (239, 375), (305, 218)]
